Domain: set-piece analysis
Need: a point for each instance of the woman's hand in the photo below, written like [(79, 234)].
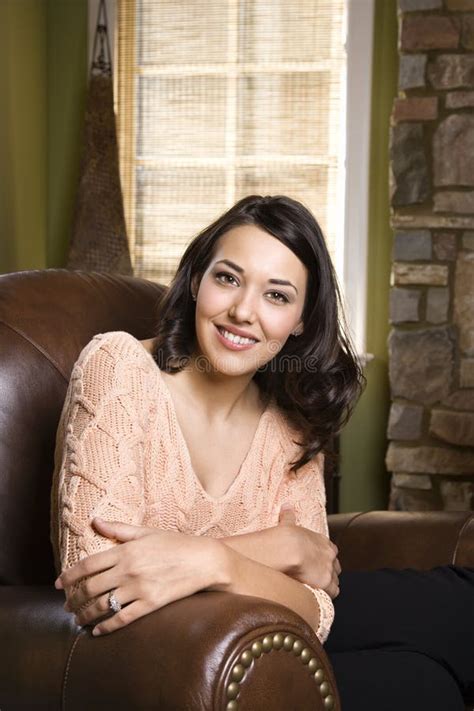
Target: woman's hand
[(315, 559), (150, 569)]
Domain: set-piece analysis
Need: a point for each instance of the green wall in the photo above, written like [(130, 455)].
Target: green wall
[(23, 135), (43, 61), (365, 482), (67, 85)]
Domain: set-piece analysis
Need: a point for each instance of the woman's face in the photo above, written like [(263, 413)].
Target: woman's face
[(254, 288)]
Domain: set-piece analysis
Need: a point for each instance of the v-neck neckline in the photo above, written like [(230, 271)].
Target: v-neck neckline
[(242, 468)]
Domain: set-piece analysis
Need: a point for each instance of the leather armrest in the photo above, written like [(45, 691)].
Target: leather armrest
[(185, 656), (400, 539)]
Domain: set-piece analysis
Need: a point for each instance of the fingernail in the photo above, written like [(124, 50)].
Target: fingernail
[(98, 519), (286, 507), (96, 632), (58, 584)]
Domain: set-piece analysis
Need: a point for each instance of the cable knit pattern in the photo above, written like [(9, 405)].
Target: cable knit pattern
[(120, 454)]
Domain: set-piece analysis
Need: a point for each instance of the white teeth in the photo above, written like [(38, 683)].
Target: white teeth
[(236, 339)]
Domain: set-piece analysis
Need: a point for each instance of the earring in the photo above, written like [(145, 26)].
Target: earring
[(296, 333), (193, 296)]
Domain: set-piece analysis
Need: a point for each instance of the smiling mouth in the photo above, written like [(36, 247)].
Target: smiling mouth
[(233, 338)]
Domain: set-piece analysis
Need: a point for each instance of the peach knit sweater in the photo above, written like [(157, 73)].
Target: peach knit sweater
[(121, 455)]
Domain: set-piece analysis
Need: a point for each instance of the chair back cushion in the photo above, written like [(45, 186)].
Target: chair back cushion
[(46, 318)]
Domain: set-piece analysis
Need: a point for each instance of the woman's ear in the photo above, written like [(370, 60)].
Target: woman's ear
[(298, 330), (194, 286)]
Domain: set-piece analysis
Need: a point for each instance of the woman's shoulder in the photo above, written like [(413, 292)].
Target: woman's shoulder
[(115, 348), (118, 343)]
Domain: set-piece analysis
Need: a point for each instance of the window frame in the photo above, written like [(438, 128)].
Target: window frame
[(351, 257)]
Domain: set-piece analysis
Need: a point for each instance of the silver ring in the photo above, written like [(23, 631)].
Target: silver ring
[(114, 604)]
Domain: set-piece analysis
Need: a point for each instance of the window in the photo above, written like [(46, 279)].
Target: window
[(217, 99)]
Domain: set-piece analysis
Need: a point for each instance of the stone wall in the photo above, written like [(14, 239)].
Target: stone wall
[(431, 344)]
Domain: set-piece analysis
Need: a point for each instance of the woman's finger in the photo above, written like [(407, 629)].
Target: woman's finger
[(92, 588), (337, 566), (127, 614), (101, 607), (333, 588), (120, 531), (88, 566)]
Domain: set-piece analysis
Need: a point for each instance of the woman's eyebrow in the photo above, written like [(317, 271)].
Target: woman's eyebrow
[(233, 265)]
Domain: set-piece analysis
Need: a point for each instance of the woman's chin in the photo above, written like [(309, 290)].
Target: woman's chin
[(230, 368), (231, 364)]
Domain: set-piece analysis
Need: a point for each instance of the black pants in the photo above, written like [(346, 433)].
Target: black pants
[(403, 640)]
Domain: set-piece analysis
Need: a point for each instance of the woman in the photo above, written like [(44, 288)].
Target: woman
[(198, 455), (201, 449)]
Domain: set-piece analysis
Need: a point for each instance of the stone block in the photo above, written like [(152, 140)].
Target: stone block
[(404, 305), (467, 32), (451, 71), (453, 151), (466, 373), (458, 201), (413, 5), (461, 5), (453, 427), (409, 165), (412, 71), (404, 421), (429, 460), (430, 221), (437, 305), (444, 246), (413, 481), (402, 499), (428, 274), (457, 495), (409, 246), (468, 240), (421, 365), (460, 400), (416, 108), (464, 301), (459, 99), (423, 32)]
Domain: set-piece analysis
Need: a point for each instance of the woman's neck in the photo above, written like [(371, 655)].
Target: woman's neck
[(220, 397)]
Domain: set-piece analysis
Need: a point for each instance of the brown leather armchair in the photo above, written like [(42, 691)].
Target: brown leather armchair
[(208, 652)]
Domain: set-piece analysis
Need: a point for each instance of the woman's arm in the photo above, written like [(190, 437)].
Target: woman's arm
[(275, 547), (152, 568), (290, 548), (311, 555), (299, 545), (248, 577), (99, 453)]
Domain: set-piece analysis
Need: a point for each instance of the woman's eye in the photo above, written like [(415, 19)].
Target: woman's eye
[(278, 296), (226, 278)]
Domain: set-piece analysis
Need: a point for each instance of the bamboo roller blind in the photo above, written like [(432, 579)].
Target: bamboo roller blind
[(218, 99)]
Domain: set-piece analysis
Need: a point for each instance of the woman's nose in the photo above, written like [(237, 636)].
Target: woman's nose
[(243, 309)]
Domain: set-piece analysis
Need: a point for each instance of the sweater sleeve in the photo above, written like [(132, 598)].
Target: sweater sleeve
[(306, 493), (99, 457)]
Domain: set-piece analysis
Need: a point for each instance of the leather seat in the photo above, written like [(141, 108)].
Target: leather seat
[(211, 651)]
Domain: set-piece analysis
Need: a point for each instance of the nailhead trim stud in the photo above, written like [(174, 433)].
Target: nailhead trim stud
[(289, 643)]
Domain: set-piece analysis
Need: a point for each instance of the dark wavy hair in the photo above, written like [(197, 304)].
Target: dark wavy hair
[(317, 397)]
